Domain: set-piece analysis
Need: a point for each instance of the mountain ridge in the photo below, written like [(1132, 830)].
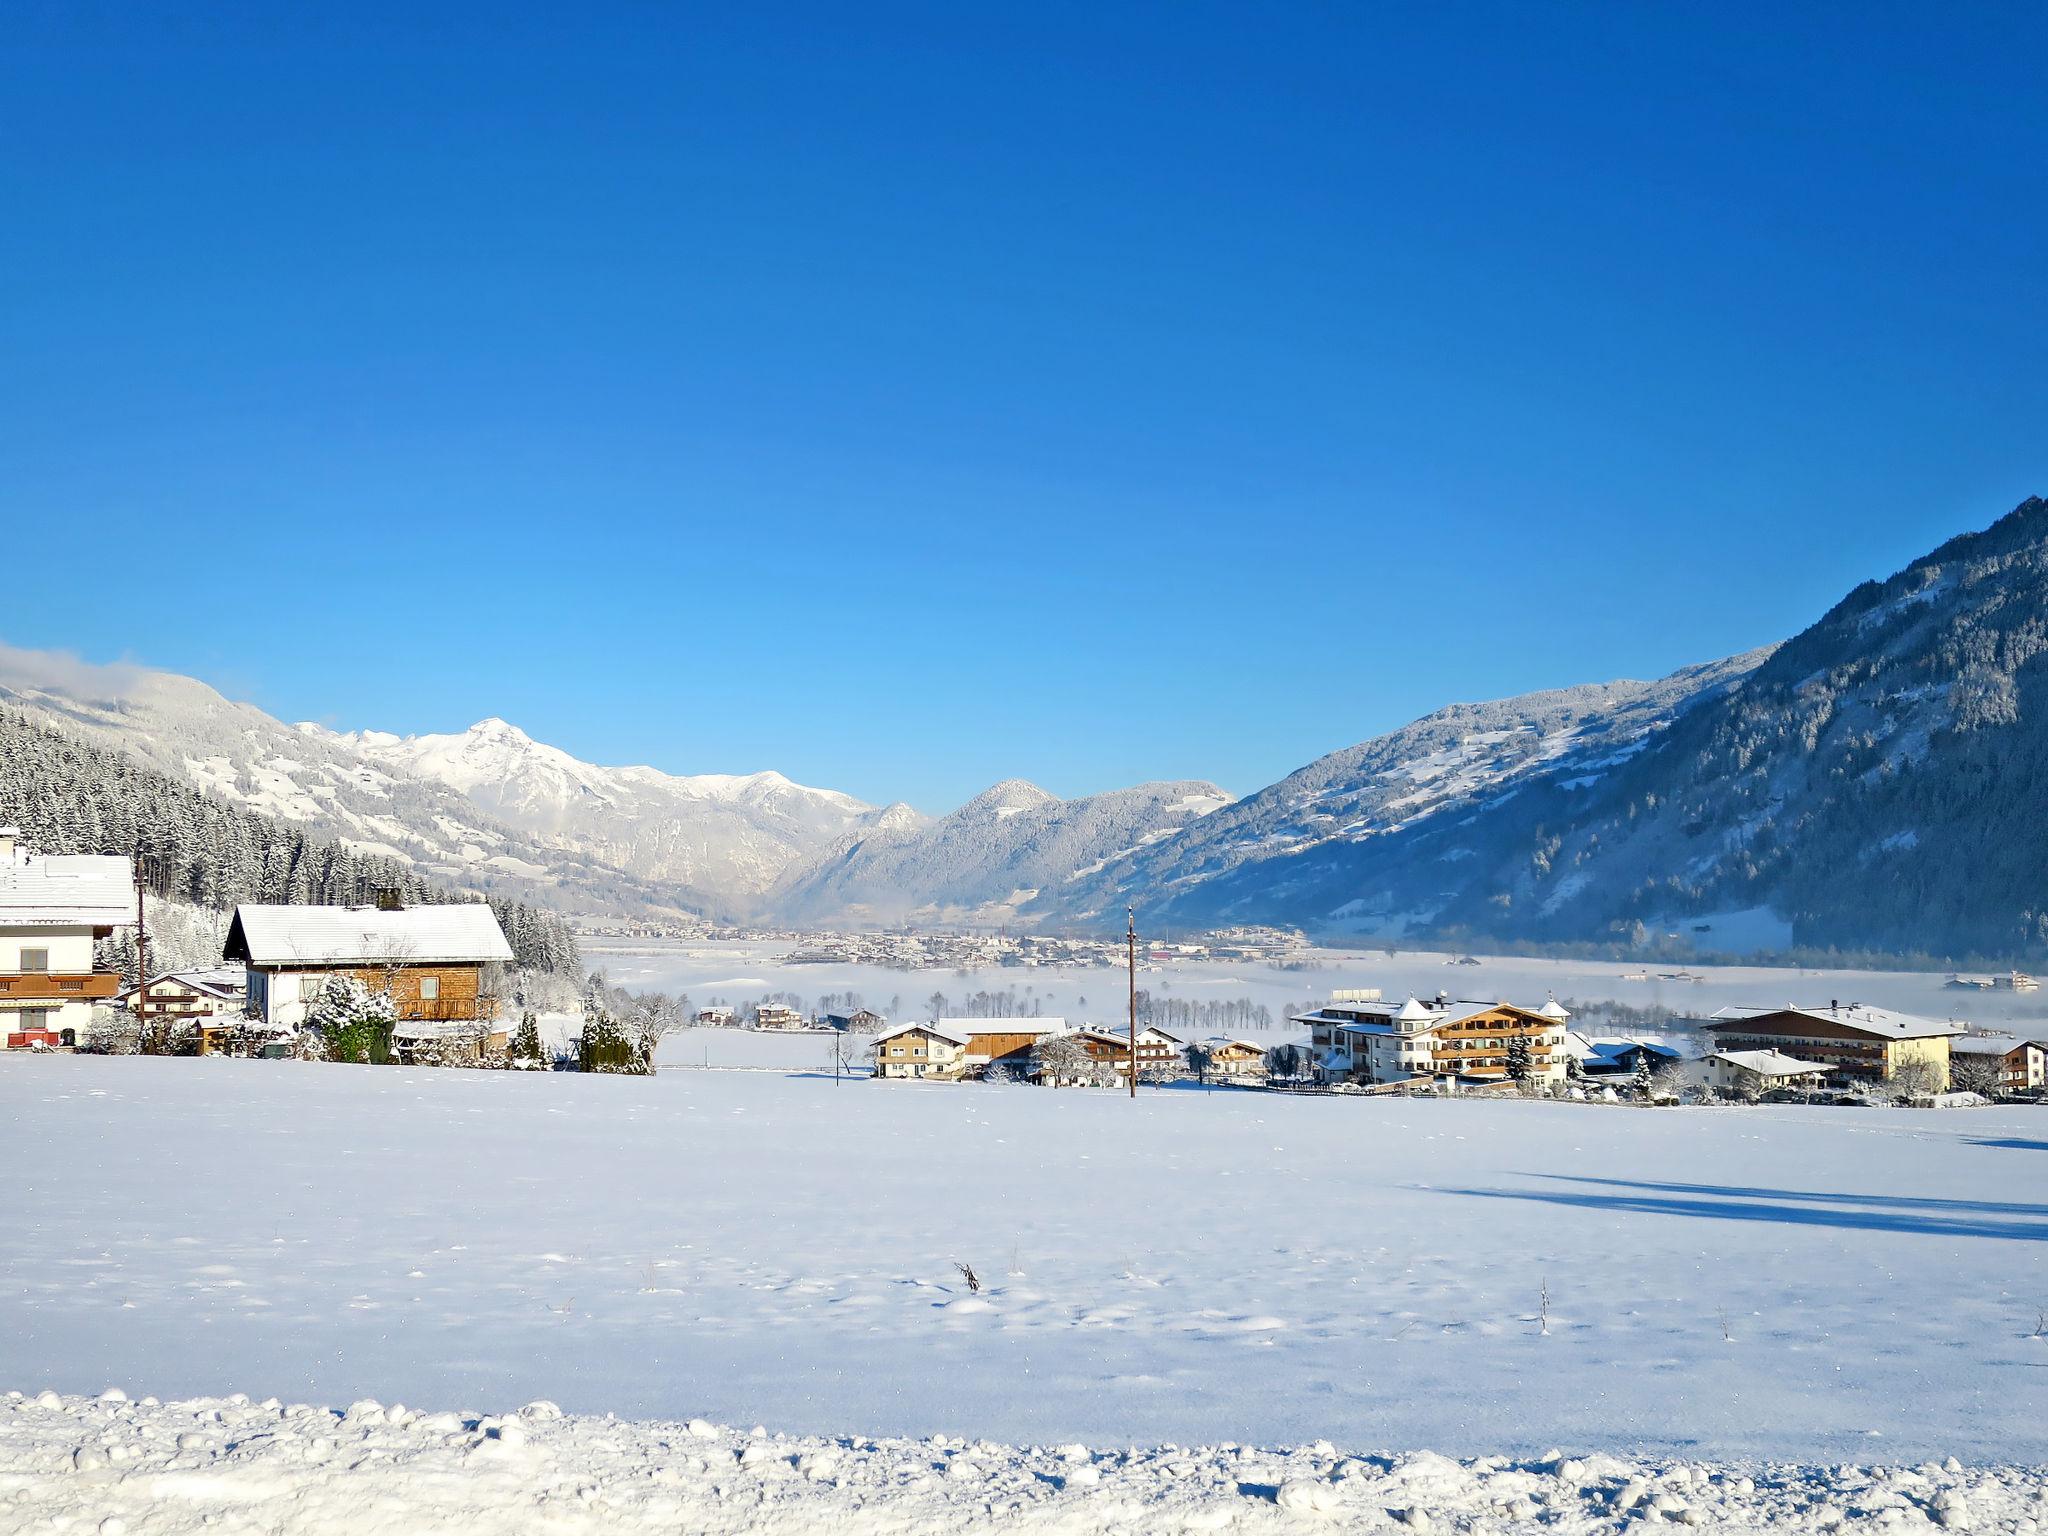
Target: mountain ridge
[(1868, 783)]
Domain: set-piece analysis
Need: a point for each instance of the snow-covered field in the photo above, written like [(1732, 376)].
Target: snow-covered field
[(1190, 1269), (734, 971)]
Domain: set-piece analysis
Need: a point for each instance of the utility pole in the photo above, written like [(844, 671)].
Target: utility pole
[(142, 878), (1131, 966)]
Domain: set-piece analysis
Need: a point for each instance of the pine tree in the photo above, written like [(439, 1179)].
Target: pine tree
[(526, 1047), (353, 1022), (1518, 1059)]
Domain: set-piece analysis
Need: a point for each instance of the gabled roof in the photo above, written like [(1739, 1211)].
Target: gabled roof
[(942, 1029), (1116, 1036), (218, 981), (1616, 1048), (461, 933), (1879, 1023), (1006, 1026), (1770, 1063), (70, 889), (1988, 1045)]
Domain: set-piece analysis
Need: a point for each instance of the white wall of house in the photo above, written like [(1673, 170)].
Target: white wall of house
[(284, 997), (64, 949), (59, 949)]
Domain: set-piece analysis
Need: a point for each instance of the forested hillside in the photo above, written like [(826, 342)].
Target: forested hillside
[(68, 797)]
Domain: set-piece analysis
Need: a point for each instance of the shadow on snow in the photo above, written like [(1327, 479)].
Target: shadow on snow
[(1928, 1216)]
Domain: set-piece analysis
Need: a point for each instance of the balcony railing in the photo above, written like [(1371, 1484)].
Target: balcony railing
[(41, 986)]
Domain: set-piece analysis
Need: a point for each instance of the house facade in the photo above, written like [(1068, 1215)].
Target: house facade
[(1857, 1044), (921, 1051), (1234, 1059), (210, 1002), (218, 991), (862, 1021), (52, 909), (2022, 1065), (1756, 1072), (439, 964), (1160, 1054), (1357, 1041)]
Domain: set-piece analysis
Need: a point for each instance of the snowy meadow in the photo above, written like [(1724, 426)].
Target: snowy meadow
[(1192, 1268)]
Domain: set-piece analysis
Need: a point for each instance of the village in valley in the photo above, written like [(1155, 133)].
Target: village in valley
[(436, 984)]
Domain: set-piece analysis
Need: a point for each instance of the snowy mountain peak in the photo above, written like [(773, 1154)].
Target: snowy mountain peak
[(726, 836), (1008, 798)]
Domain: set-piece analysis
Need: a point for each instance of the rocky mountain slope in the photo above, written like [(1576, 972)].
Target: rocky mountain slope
[(988, 860), (731, 835), (1310, 848), (1872, 784)]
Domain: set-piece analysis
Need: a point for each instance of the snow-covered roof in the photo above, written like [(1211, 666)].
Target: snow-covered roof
[(1987, 1045), (1221, 1042), (1553, 1009), (942, 1029), (215, 981), (1005, 1026), (1415, 1010), (453, 934), (66, 889), (1622, 1045), (1118, 1034), (1770, 1063), (1886, 1023)]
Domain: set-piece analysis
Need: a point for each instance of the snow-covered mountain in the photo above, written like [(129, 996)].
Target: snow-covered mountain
[(729, 834), (989, 860), (1314, 848), (236, 752), (1871, 784)]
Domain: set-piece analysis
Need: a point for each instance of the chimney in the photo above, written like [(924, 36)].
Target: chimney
[(8, 838), (1834, 1005), (388, 899)]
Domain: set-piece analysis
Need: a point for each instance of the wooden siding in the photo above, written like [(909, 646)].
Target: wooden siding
[(1002, 1046), (461, 988), (42, 985)]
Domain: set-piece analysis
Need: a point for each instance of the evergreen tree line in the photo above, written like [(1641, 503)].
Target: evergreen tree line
[(68, 797)]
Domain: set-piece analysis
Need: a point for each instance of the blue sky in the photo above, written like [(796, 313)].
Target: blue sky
[(912, 397)]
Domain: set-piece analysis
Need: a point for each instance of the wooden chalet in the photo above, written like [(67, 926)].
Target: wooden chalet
[(439, 964), (1160, 1054), (1004, 1042), (1234, 1059)]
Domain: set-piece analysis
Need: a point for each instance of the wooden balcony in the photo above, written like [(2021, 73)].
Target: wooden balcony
[(43, 986)]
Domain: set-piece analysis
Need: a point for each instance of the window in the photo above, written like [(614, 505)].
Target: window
[(430, 989), (35, 959)]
